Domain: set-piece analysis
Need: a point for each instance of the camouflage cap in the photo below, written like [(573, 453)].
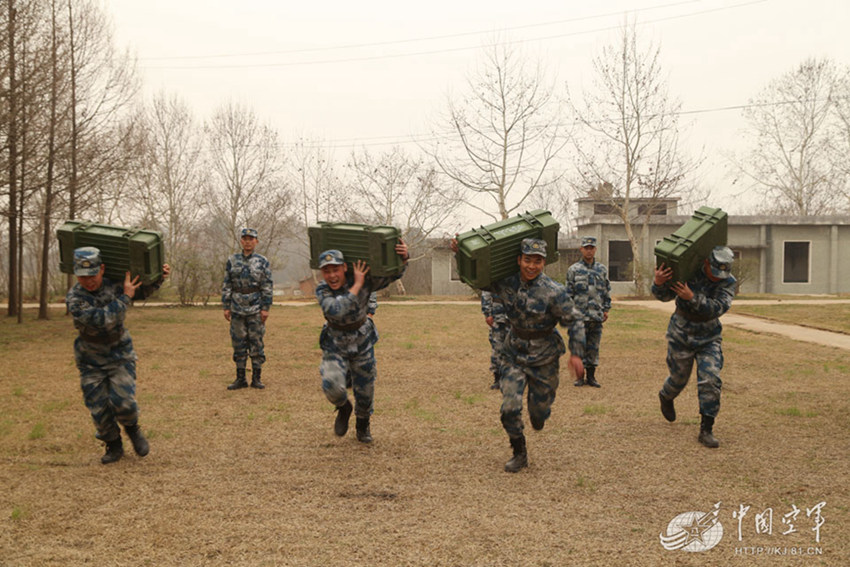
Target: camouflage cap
[(588, 241), (87, 261), (330, 258), (250, 232), (533, 246), (720, 260)]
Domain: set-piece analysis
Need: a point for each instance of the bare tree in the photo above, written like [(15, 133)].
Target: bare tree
[(167, 181), (400, 190), (627, 146), (13, 97), (505, 133), (796, 160), (247, 185)]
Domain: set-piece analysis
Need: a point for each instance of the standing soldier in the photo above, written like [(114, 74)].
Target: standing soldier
[(588, 285), (348, 337), (104, 351), (694, 333), (534, 305), (494, 316), (246, 295)]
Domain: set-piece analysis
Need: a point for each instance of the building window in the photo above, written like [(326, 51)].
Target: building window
[(795, 267), (605, 209), (453, 275), (653, 209), (619, 260)]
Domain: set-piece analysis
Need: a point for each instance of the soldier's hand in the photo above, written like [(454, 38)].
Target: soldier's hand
[(453, 245), (576, 365), (489, 320), (227, 314), (166, 269), (682, 290), (401, 250), (264, 315), (663, 274), (131, 284), (604, 316), (360, 268)]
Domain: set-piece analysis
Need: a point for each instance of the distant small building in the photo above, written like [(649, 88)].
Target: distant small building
[(774, 254)]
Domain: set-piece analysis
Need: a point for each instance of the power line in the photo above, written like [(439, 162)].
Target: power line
[(410, 40), (445, 50)]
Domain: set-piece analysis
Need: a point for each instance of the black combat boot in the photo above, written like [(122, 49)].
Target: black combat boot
[(240, 381), (590, 377), (363, 433), (114, 451), (579, 382), (706, 437), (520, 458), (140, 444), (495, 384), (256, 373), (536, 422), (667, 409), (342, 416)]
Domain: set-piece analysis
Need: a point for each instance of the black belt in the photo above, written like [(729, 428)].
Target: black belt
[(107, 339), (349, 327), (529, 334), (246, 289), (693, 317)]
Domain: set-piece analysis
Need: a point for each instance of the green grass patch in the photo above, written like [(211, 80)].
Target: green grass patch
[(38, 431), (596, 409), (796, 412)]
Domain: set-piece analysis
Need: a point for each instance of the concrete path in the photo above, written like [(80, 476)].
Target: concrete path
[(759, 325)]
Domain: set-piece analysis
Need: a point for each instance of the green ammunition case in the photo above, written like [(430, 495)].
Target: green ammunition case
[(489, 253), (122, 249), (685, 249), (374, 244)]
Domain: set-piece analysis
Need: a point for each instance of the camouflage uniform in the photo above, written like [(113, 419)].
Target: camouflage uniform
[(104, 353), (371, 309), (694, 333), (590, 289), (491, 306), (246, 291), (348, 341), (532, 350)]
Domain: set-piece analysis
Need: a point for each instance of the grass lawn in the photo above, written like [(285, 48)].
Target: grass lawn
[(828, 317), (258, 477)]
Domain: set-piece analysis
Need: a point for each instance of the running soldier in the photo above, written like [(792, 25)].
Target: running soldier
[(588, 285), (534, 305), (104, 351), (494, 316), (694, 333), (348, 337), (246, 295)]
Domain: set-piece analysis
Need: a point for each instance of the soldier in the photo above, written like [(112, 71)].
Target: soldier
[(348, 337), (104, 351), (494, 316), (246, 295), (534, 305), (588, 285), (694, 333)]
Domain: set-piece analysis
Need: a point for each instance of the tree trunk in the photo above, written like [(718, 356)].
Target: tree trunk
[(13, 162)]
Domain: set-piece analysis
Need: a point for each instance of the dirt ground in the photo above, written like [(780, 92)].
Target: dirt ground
[(258, 478)]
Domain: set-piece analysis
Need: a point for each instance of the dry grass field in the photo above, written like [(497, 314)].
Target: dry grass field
[(258, 478), (828, 317)]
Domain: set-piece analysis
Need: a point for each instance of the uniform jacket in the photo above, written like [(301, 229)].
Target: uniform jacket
[(247, 287), (342, 308), (491, 306), (539, 305), (99, 317), (590, 289), (699, 316)]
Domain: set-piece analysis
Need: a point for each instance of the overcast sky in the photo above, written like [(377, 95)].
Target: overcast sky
[(378, 72)]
